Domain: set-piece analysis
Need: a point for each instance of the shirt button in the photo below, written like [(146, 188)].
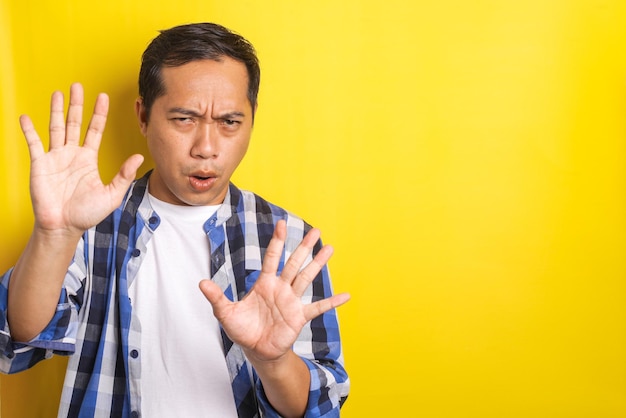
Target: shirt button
[(136, 252), (134, 414), (134, 353), (153, 220)]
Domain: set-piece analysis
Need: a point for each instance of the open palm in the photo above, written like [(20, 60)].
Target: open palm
[(66, 190), (268, 320)]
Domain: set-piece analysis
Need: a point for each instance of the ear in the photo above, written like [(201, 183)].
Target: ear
[(140, 111)]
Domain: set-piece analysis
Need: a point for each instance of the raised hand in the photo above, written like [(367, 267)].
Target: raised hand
[(68, 197), (66, 190), (268, 320)]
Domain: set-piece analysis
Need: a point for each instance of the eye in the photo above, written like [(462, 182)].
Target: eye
[(182, 122), (230, 124)]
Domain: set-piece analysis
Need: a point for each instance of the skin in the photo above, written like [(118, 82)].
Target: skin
[(197, 134), (199, 129)]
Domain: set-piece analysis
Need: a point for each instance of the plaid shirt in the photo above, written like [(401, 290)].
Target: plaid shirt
[(94, 322)]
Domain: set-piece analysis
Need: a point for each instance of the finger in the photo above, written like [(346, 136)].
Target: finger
[(74, 115), (57, 122), (317, 308), (274, 251), (215, 296), (310, 272), (35, 147), (122, 180), (98, 122), (300, 255)]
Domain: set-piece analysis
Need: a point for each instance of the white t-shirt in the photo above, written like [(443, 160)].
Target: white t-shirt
[(183, 370)]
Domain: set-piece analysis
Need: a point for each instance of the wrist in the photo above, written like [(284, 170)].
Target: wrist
[(270, 364), (56, 234), (286, 382)]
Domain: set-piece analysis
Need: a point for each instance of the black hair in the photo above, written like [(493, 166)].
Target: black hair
[(186, 43)]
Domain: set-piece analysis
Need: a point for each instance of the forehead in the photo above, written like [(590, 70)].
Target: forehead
[(225, 80)]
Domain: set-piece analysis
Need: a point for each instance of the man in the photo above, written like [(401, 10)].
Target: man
[(143, 339)]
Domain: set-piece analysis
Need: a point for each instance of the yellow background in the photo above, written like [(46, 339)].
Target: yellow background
[(465, 158)]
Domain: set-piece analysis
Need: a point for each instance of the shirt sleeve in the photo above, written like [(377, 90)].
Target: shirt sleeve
[(58, 337)]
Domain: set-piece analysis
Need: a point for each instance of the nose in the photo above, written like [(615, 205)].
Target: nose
[(205, 144)]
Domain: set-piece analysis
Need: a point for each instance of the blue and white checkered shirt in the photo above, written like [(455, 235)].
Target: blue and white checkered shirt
[(95, 325)]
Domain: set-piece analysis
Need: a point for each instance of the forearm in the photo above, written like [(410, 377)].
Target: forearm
[(285, 382), (36, 282)]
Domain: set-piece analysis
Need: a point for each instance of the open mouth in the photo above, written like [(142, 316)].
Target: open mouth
[(201, 183)]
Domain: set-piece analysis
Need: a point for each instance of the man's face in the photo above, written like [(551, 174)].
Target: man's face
[(198, 131)]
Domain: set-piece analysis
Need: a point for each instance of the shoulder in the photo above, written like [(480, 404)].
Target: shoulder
[(247, 201), (252, 208)]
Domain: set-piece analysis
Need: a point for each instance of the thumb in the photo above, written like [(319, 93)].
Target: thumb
[(214, 295), (127, 173)]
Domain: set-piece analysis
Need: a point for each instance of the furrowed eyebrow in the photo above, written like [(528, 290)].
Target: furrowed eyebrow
[(231, 115), (189, 112), (183, 111)]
